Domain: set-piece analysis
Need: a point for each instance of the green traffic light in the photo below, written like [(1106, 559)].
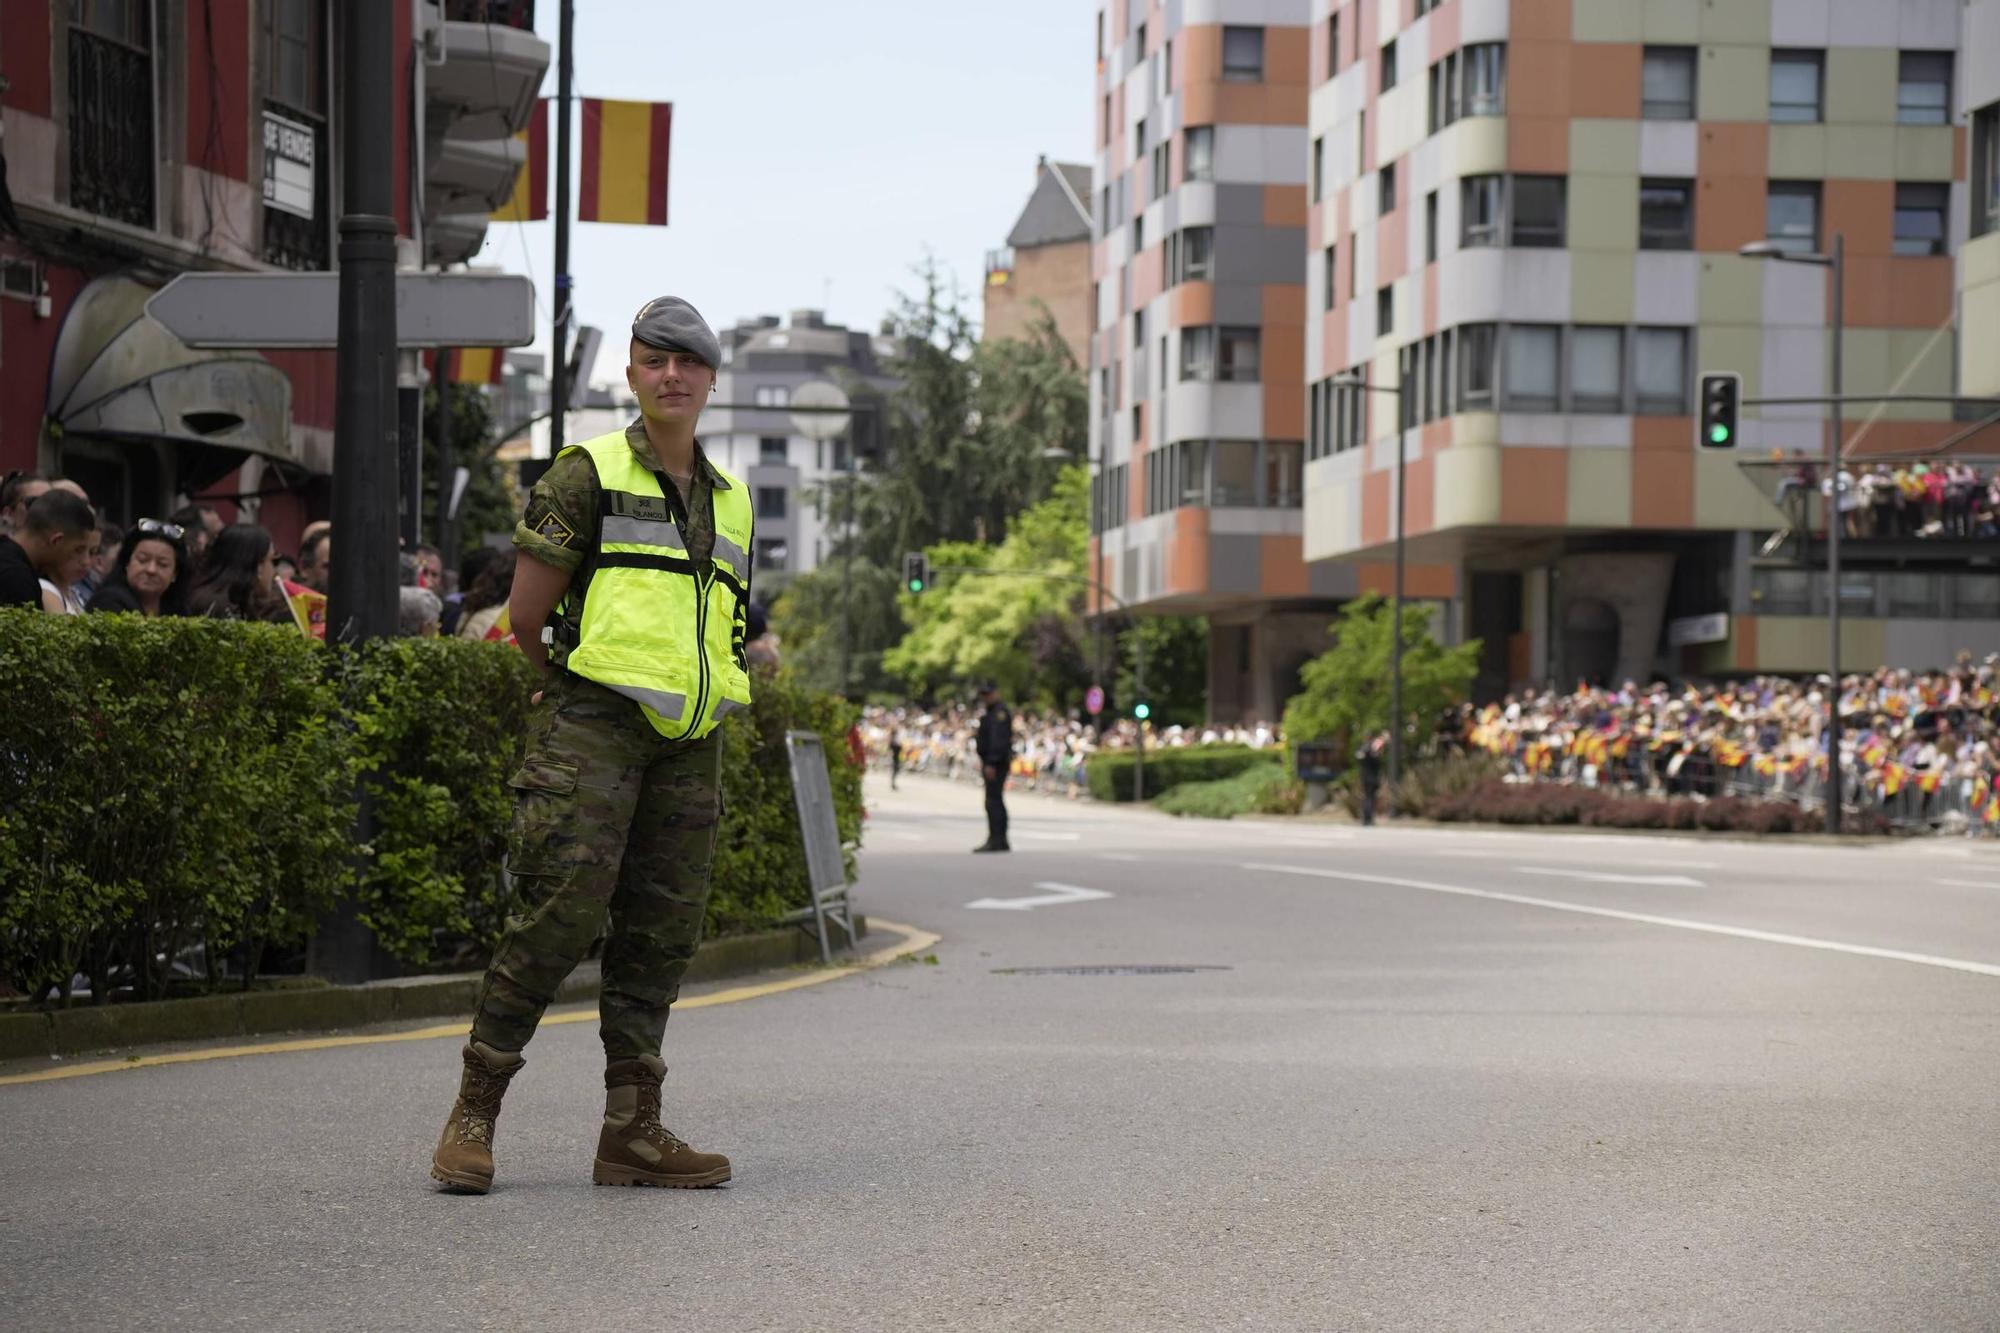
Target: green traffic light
[(1142, 711), (916, 585), (1719, 433)]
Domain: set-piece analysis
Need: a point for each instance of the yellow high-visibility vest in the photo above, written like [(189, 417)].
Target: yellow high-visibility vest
[(656, 627)]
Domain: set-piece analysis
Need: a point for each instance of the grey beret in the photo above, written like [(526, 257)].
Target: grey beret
[(671, 323)]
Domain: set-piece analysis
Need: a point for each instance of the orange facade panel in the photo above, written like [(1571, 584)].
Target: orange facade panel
[(1538, 79), (1863, 212), (1282, 567), (1534, 487), (1187, 553), (1193, 303), (1433, 581), (1285, 205), (1899, 292), (1605, 79)]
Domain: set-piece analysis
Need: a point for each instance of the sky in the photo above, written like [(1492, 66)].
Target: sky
[(820, 150)]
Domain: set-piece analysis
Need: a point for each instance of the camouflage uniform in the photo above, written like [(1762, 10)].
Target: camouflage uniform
[(611, 819)]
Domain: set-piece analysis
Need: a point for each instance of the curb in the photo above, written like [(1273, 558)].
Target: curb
[(326, 1008)]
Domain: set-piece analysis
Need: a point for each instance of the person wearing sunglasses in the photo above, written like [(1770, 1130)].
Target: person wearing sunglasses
[(151, 573)]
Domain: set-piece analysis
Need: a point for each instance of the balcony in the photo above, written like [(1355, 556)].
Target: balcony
[(491, 73)]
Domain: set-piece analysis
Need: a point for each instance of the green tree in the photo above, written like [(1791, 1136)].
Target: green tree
[(1176, 668), (1346, 688), (1013, 625), (492, 502), (807, 619)]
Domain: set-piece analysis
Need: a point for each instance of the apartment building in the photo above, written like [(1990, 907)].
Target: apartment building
[(793, 479), (1197, 355), (1979, 260), (1528, 214), (1044, 269)]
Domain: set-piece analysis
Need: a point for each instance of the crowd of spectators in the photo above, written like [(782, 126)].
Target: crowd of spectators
[(1920, 745), (1051, 750), (1903, 499), (59, 553)]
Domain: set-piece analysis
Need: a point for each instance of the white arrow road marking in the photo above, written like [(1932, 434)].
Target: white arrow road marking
[(1064, 893), (1676, 923), (1671, 881)]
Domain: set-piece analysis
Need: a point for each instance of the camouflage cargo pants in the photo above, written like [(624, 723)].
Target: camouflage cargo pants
[(611, 820)]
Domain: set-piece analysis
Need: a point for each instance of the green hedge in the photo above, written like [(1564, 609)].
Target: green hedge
[(169, 783), (1265, 788), (1110, 772)]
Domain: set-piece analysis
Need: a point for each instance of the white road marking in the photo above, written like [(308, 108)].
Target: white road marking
[(1643, 918), (1623, 860), (1601, 877), (1968, 883), (1051, 837), (1063, 893), (1117, 856)]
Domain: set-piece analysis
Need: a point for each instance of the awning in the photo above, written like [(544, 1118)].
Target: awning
[(118, 374)]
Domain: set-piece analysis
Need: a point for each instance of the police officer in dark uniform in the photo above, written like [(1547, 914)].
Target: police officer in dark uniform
[(995, 747)]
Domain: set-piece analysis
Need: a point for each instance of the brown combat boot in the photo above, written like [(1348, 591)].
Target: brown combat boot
[(634, 1148), (464, 1157)]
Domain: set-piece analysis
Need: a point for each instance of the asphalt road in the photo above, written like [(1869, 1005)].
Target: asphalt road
[(1420, 1080)]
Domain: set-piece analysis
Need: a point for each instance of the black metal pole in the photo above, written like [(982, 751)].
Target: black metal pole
[(410, 445), (846, 577), (559, 339), (361, 593), (447, 464), (1833, 520), (1396, 618)]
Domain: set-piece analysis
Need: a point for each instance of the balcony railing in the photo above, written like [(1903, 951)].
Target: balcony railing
[(111, 156)]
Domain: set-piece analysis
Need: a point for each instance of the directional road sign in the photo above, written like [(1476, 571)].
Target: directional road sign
[(303, 309)]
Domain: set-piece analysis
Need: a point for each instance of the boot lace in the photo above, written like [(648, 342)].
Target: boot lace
[(478, 1109), (648, 1122)]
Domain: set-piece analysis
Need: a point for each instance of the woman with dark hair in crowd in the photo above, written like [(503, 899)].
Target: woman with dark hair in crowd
[(239, 578), (486, 599), (151, 573)]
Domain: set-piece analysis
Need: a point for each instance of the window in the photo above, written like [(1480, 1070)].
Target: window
[(1139, 141), (1243, 55), (1923, 88), (1426, 6), (1537, 211), (1795, 85), (1444, 92), (1597, 370), (1198, 353), (1198, 153), (1284, 474), (1235, 483), (1139, 45), (1386, 194), (1385, 311), (1389, 66), (1475, 366), (112, 160), (1197, 254), (297, 212), (1192, 472), (769, 395), (1162, 166), (1166, 63), (1920, 218), (1660, 371), (1431, 227), (1104, 220), (1138, 329), (770, 502), (1331, 273), (1479, 210), (1791, 216), (1532, 367), (1319, 169), (1666, 83), (1666, 215), (1353, 265), (1240, 348), (771, 552), (1138, 233), (1986, 170), (771, 450), (1104, 122), (1333, 45), (1485, 69)]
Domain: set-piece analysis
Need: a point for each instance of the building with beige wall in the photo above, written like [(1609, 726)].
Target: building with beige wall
[(1979, 260), (1530, 211), (1045, 268)]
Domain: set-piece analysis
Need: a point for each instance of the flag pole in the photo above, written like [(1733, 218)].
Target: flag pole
[(559, 343)]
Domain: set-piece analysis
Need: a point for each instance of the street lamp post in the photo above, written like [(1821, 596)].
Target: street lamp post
[(1353, 381), (1835, 264)]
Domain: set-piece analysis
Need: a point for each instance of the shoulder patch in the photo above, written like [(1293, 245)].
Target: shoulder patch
[(551, 527)]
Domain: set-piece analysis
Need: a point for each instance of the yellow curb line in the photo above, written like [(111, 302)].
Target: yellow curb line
[(914, 940)]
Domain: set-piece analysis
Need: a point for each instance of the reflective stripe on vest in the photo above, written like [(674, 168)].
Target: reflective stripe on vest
[(657, 627)]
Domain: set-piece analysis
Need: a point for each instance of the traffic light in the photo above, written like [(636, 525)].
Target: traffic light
[(916, 571), (1720, 394), (1142, 710)]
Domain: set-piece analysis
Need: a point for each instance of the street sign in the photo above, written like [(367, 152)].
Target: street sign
[(1093, 702), (261, 310)]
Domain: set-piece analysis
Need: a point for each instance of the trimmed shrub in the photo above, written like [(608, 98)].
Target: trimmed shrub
[(1110, 772), (1266, 789), (175, 789), (1497, 802), (1429, 781)]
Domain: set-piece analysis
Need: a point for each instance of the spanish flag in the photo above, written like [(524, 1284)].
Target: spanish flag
[(308, 608), (624, 176), (476, 365), (530, 200), (502, 630)]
